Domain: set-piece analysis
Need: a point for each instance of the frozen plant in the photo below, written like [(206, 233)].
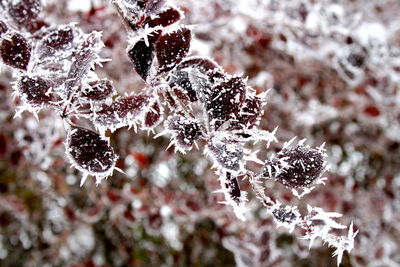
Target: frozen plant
[(197, 102)]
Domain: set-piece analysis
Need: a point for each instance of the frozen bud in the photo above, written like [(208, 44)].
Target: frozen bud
[(99, 90), (89, 152), (172, 48), (35, 90), (24, 12), (15, 51), (226, 154), (296, 167), (185, 131)]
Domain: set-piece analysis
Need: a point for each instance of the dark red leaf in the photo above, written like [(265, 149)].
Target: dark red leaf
[(122, 112), (142, 57), (164, 18), (35, 89), (225, 101), (59, 38), (24, 12), (99, 90), (16, 51), (89, 151), (153, 116), (249, 115), (296, 167), (172, 48)]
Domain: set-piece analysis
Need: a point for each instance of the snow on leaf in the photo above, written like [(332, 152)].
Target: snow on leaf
[(24, 12), (226, 154), (165, 18), (90, 153), (172, 48), (35, 90), (184, 131), (124, 111), (85, 57), (15, 51), (194, 85)]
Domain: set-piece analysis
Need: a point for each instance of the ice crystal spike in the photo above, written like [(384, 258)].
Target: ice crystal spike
[(89, 152), (15, 51), (165, 18), (24, 12), (296, 167), (172, 48), (35, 90)]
